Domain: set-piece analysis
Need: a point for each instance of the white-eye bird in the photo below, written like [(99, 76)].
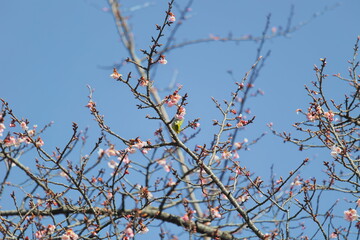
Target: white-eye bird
[(176, 125)]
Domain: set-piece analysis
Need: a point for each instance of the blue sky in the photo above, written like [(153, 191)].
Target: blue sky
[(50, 51)]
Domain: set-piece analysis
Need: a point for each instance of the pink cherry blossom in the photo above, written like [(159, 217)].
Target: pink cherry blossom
[(112, 164), (31, 132), (170, 182), (130, 150), (39, 142), (242, 123), (215, 212), (2, 128), (10, 141), (226, 154), (243, 198), (173, 99), (101, 152), (335, 151), (311, 116), (162, 60), (111, 151), (195, 125), (90, 104), (296, 183), (124, 158), (51, 229), (163, 163), (171, 17), (69, 235), (24, 126), (40, 234), (333, 235), (144, 229), (329, 115), (180, 113), (350, 215), (143, 82), (140, 144), (115, 74), (188, 216), (238, 145), (236, 155)]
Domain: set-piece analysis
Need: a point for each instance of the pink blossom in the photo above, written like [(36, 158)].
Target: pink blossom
[(203, 180), (143, 81), (39, 142), (145, 193), (243, 198), (109, 195), (111, 151), (236, 155), (69, 235), (296, 183), (185, 217), (226, 154), (124, 158), (163, 163), (130, 150), (24, 126), (189, 215), (112, 164), (170, 182), (311, 116), (350, 215), (171, 17), (144, 229), (115, 74), (2, 127), (10, 141), (162, 60), (40, 234), (238, 145), (145, 150), (101, 152), (90, 104), (319, 110), (335, 151), (333, 235), (31, 132), (195, 125), (215, 212), (140, 144), (329, 115), (242, 123), (173, 99), (51, 229), (180, 113)]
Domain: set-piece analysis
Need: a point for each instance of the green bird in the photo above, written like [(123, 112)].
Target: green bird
[(176, 125)]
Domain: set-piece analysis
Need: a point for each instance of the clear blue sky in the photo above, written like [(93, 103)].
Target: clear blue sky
[(50, 51)]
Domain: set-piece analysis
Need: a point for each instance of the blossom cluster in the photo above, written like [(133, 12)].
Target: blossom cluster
[(25, 137), (316, 112)]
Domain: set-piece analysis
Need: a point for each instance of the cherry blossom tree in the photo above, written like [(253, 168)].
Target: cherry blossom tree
[(126, 188)]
